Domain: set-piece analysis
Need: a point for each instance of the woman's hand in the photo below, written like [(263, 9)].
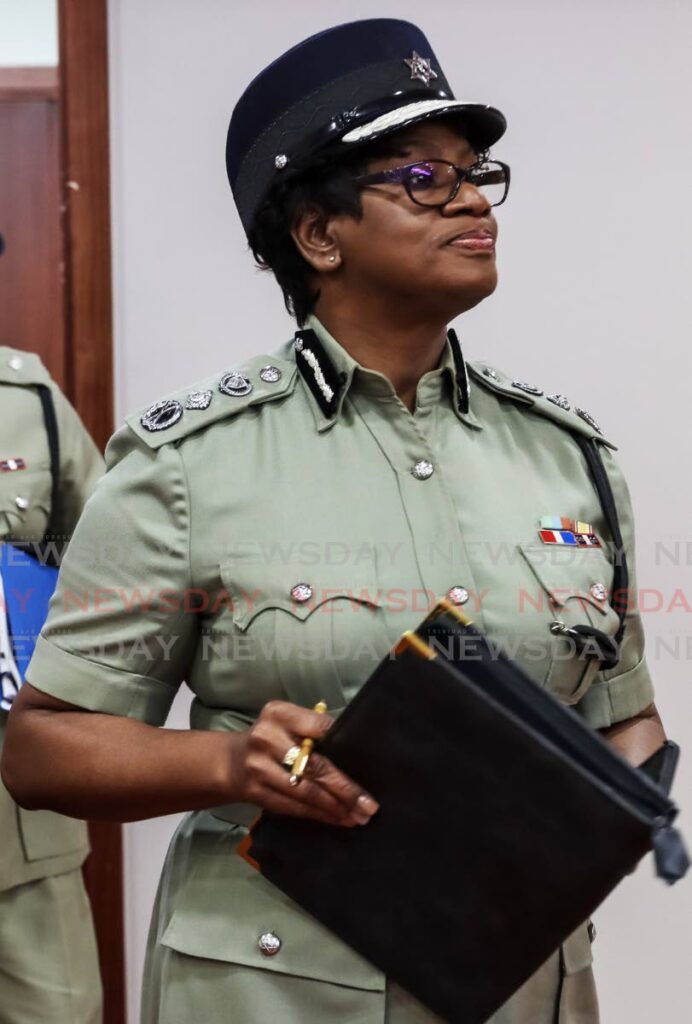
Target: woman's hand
[(323, 793)]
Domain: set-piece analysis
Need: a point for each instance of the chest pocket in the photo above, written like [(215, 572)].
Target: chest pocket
[(574, 589), (318, 630)]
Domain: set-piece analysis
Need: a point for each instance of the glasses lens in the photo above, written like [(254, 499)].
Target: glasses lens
[(492, 180), (431, 182)]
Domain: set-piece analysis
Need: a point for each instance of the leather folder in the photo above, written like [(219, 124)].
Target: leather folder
[(504, 822)]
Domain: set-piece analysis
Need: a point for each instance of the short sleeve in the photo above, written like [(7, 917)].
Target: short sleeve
[(119, 633), (626, 690), (81, 466)]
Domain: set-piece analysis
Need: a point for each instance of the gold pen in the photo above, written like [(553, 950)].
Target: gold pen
[(306, 748)]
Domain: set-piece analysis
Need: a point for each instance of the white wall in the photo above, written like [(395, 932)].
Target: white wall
[(28, 33), (594, 299)]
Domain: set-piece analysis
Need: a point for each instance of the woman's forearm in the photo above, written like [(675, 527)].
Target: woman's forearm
[(90, 765)]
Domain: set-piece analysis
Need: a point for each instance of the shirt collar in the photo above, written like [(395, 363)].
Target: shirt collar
[(330, 372)]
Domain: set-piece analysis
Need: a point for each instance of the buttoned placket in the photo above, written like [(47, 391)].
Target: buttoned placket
[(406, 440)]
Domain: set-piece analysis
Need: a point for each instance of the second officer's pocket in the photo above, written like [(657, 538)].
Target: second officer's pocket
[(319, 627), (574, 589)]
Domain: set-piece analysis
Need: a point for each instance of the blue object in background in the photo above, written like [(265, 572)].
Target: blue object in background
[(28, 586)]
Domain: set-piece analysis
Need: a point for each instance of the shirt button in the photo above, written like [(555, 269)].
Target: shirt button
[(302, 592), (269, 944), (423, 469), (458, 595), (22, 503), (598, 591)]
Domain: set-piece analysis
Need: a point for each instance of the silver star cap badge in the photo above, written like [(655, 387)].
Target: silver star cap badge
[(420, 68)]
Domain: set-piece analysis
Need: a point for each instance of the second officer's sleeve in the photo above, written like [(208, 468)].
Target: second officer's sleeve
[(119, 633)]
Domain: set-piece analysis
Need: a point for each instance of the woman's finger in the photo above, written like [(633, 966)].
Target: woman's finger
[(321, 770), (312, 796), (272, 744)]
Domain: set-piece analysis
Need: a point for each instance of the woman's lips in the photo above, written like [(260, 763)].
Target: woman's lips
[(474, 243)]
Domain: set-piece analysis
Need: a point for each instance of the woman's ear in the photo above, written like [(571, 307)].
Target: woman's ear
[(315, 240)]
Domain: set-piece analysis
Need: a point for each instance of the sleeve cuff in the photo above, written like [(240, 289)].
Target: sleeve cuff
[(617, 699), (98, 687)]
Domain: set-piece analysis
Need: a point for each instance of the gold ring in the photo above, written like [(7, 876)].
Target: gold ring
[(290, 757)]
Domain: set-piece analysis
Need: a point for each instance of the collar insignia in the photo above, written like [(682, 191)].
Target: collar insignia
[(420, 68), (318, 371)]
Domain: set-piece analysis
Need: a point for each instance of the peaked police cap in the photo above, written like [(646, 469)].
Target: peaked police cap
[(339, 89)]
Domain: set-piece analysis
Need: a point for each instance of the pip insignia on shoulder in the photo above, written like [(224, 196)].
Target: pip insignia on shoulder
[(199, 399), (556, 407), (235, 384), (197, 407), (588, 418), (528, 388), (162, 415)]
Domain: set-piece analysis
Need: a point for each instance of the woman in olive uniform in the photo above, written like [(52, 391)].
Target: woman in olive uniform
[(276, 527), (48, 964)]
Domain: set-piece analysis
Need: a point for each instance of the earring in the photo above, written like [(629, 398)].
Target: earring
[(332, 259)]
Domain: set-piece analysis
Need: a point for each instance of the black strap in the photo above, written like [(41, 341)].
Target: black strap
[(51, 422), (620, 596)]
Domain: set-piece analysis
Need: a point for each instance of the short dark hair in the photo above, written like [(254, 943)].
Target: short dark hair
[(324, 181)]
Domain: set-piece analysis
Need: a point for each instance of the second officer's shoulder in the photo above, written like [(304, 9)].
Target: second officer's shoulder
[(551, 405), (24, 369), (219, 397)]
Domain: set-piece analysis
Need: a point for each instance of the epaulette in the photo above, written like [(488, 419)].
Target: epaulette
[(260, 379), (22, 368), (555, 407)]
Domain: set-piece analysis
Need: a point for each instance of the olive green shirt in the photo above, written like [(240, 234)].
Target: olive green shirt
[(36, 844), (185, 560), (261, 548)]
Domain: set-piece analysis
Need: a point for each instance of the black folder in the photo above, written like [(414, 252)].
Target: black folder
[(504, 821)]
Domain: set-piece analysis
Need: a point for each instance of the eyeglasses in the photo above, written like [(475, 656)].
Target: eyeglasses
[(436, 182)]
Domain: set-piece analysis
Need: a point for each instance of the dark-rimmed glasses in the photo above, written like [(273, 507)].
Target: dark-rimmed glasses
[(436, 182)]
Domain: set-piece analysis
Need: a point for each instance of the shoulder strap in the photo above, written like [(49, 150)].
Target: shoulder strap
[(591, 452), (51, 423)]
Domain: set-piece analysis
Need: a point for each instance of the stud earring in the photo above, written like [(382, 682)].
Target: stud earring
[(332, 259)]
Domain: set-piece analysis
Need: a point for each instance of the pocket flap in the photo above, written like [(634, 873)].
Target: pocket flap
[(224, 908), (46, 834), (571, 574), (255, 587)]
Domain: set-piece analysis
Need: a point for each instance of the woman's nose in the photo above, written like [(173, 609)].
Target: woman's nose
[(468, 199)]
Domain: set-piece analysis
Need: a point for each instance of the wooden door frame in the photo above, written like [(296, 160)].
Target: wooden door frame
[(83, 91)]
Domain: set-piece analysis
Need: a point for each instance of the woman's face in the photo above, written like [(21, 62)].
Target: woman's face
[(413, 254)]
